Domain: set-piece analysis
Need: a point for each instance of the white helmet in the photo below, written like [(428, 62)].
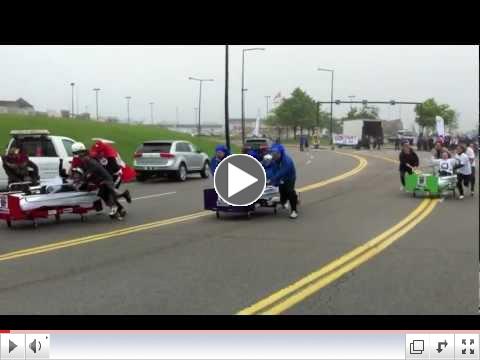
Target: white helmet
[(268, 157), (78, 147)]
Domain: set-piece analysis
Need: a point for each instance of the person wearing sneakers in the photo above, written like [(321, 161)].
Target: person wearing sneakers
[(284, 176), (471, 155), (95, 173), (464, 170)]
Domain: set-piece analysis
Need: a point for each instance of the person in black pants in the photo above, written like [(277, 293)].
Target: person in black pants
[(408, 162), (284, 176), (95, 173)]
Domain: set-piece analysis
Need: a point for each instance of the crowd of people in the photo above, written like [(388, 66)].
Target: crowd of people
[(279, 169), (459, 160)]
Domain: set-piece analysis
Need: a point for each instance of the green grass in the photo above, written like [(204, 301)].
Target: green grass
[(126, 137)]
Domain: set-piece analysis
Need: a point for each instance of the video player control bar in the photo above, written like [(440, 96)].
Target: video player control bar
[(231, 345)]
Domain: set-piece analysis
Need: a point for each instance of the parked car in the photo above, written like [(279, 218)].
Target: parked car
[(259, 144), (175, 159), (45, 150)]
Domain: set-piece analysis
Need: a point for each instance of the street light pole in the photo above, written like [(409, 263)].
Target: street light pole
[(199, 101), (227, 120), (128, 108), (243, 89), (72, 85), (96, 99), (267, 98), (331, 106), (151, 112)]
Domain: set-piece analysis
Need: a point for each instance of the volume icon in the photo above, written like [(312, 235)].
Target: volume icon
[(35, 346)]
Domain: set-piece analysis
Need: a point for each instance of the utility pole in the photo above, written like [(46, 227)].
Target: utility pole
[(96, 99), (73, 112), (128, 108), (227, 120)]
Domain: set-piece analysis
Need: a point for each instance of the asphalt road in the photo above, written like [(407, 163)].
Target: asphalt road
[(201, 265)]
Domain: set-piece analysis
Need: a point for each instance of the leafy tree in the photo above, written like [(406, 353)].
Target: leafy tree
[(429, 109)]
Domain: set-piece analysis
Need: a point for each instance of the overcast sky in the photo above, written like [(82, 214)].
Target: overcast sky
[(159, 74)]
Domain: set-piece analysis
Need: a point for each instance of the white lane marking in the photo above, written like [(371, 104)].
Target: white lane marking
[(152, 196)]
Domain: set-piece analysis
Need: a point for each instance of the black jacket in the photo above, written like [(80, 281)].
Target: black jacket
[(95, 172), (411, 159)]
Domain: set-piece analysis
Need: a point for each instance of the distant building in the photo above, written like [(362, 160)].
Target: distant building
[(18, 106), (65, 113)]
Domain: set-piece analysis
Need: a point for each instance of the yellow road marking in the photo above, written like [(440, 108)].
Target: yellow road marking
[(133, 229), (386, 158), (316, 286), (97, 237), (337, 265)]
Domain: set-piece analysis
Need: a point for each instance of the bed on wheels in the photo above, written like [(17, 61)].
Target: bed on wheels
[(213, 202), (24, 202), (430, 184)]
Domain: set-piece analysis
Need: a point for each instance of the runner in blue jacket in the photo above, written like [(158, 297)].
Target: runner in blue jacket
[(284, 176)]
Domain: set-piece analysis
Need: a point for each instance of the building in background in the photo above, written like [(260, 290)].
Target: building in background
[(19, 106)]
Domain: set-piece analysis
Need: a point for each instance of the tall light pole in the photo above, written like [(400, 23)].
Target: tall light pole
[(243, 88), (96, 99), (227, 119), (199, 101), (268, 99), (331, 106), (128, 108), (151, 112), (72, 84)]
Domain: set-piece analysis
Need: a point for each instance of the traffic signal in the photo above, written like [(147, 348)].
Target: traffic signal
[(337, 102), (364, 102), (392, 102)]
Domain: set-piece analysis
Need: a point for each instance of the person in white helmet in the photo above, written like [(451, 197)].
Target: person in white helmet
[(95, 173)]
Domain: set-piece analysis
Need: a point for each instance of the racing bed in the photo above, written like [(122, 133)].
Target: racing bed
[(428, 184), (211, 201), (23, 202)]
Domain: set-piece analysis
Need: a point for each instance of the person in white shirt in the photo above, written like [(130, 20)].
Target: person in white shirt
[(471, 156), (464, 170), (445, 164)]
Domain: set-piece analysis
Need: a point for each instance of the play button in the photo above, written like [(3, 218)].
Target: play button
[(240, 180)]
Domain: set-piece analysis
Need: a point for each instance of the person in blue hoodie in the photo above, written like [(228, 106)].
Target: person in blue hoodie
[(221, 152), (284, 176)]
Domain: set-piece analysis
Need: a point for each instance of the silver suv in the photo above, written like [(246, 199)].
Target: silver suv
[(175, 159)]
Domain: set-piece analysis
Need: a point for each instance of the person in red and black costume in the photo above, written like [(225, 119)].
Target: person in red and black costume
[(19, 168), (94, 173), (110, 159)]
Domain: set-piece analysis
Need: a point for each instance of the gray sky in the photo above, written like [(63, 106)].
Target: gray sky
[(41, 75)]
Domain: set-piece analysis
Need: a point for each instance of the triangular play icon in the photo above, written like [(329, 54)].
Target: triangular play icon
[(238, 180), (11, 346)]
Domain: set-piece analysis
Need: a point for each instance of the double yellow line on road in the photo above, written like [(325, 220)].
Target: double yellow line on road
[(285, 298), (157, 224), (293, 294)]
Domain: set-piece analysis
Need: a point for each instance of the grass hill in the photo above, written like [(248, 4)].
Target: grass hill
[(127, 137)]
